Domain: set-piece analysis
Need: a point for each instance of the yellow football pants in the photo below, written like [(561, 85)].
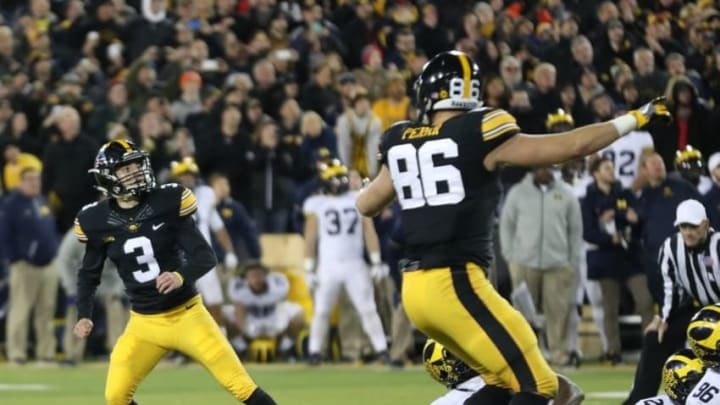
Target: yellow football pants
[(459, 308), (188, 329)]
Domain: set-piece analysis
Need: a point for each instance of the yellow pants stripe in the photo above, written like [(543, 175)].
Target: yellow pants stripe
[(495, 330)]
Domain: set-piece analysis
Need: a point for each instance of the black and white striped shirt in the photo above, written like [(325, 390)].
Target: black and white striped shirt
[(689, 273)]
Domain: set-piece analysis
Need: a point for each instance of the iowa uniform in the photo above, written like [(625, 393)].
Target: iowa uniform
[(443, 176), (456, 198), (157, 235)]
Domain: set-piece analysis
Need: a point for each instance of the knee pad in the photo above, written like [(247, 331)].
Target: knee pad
[(489, 395)]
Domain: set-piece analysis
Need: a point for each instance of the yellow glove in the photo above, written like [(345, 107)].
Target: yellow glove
[(653, 111)]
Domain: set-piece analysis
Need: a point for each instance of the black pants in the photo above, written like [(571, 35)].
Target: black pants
[(654, 354)]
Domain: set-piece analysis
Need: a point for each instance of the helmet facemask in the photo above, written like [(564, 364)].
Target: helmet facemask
[(127, 179)]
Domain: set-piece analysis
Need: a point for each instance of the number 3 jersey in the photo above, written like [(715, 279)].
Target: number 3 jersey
[(448, 198), (340, 233), (158, 235)]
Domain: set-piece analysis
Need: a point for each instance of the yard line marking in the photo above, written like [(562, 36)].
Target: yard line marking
[(607, 395), (24, 387)]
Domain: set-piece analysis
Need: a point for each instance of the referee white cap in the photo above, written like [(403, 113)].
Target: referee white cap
[(690, 212)]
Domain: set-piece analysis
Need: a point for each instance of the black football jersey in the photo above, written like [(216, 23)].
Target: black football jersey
[(447, 196), (158, 235)]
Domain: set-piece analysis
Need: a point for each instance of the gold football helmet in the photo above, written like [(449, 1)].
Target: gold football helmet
[(443, 366), (703, 335), (681, 372)]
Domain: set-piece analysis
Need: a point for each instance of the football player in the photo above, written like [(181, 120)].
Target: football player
[(462, 381), (681, 373), (336, 231), (442, 169), (689, 163), (145, 230), (261, 308), (703, 337), (208, 220)]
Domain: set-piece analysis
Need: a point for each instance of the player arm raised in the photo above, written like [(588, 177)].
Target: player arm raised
[(538, 150)]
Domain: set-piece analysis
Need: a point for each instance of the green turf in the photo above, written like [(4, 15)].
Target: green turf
[(290, 385)]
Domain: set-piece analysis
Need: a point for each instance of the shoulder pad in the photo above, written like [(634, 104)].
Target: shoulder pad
[(188, 202), (89, 216), (497, 122), (398, 125)]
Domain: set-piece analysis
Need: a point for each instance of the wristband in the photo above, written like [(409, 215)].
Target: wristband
[(180, 277), (375, 258), (624, 124)]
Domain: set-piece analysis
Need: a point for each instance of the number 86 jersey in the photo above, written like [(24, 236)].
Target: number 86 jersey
[(143, 242), (447, 196)]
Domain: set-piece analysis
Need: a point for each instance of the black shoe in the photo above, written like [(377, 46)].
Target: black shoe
[(314, 360), (613, 358), (574, 360), (397, 364)]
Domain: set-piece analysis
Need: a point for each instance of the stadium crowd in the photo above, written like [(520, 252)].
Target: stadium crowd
[(263, 93)]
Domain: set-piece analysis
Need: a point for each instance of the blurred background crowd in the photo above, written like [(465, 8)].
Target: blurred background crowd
[(263, 92)]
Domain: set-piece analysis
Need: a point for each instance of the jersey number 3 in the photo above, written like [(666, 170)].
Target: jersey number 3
[(418, 181), (146, 257)]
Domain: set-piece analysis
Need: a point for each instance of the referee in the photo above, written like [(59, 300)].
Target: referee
[(690, 280)]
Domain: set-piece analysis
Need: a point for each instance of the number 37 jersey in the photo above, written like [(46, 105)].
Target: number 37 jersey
[(447, 196), (340, 233)]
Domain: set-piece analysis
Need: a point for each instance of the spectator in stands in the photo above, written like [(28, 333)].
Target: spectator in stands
[(660, 196), (358, 134), (267, 87), (589, 86), (511, 72), (690, 121), (66, 162), (712, 198), (582, 54), (319, 96), (433, 38), (114, 110), (371, 74), (227, 152), (18, 132), (650, 81), (238, 222), (152, 29), (316, 134), (29, 242), (615, 45), (189, 101), (556, 231), (496, 93), (360, 32), (543, 95), (611, 230), (271, 192), (8, 61), (140, 80), (15, 163), (395, 106)]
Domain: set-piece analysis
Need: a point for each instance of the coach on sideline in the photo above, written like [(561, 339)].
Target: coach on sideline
[(690, 279)]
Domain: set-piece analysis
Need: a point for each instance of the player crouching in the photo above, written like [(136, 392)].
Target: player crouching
[(462, 381), (261, 311)]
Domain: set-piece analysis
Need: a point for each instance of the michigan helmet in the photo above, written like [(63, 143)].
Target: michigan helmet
[(443, 366), (448, 81), (334, 176), (689, 162), (262, 350), (681, 372), (559, 121), (186, 165), (703, 335), (114, 155)]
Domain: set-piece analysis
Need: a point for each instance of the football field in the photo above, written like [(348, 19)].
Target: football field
[(289, 384)]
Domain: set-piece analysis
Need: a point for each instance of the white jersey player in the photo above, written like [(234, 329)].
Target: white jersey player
[(625, 154), (260, 307), (209, 223), (658, 400), (339, 234), (706, 391)]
